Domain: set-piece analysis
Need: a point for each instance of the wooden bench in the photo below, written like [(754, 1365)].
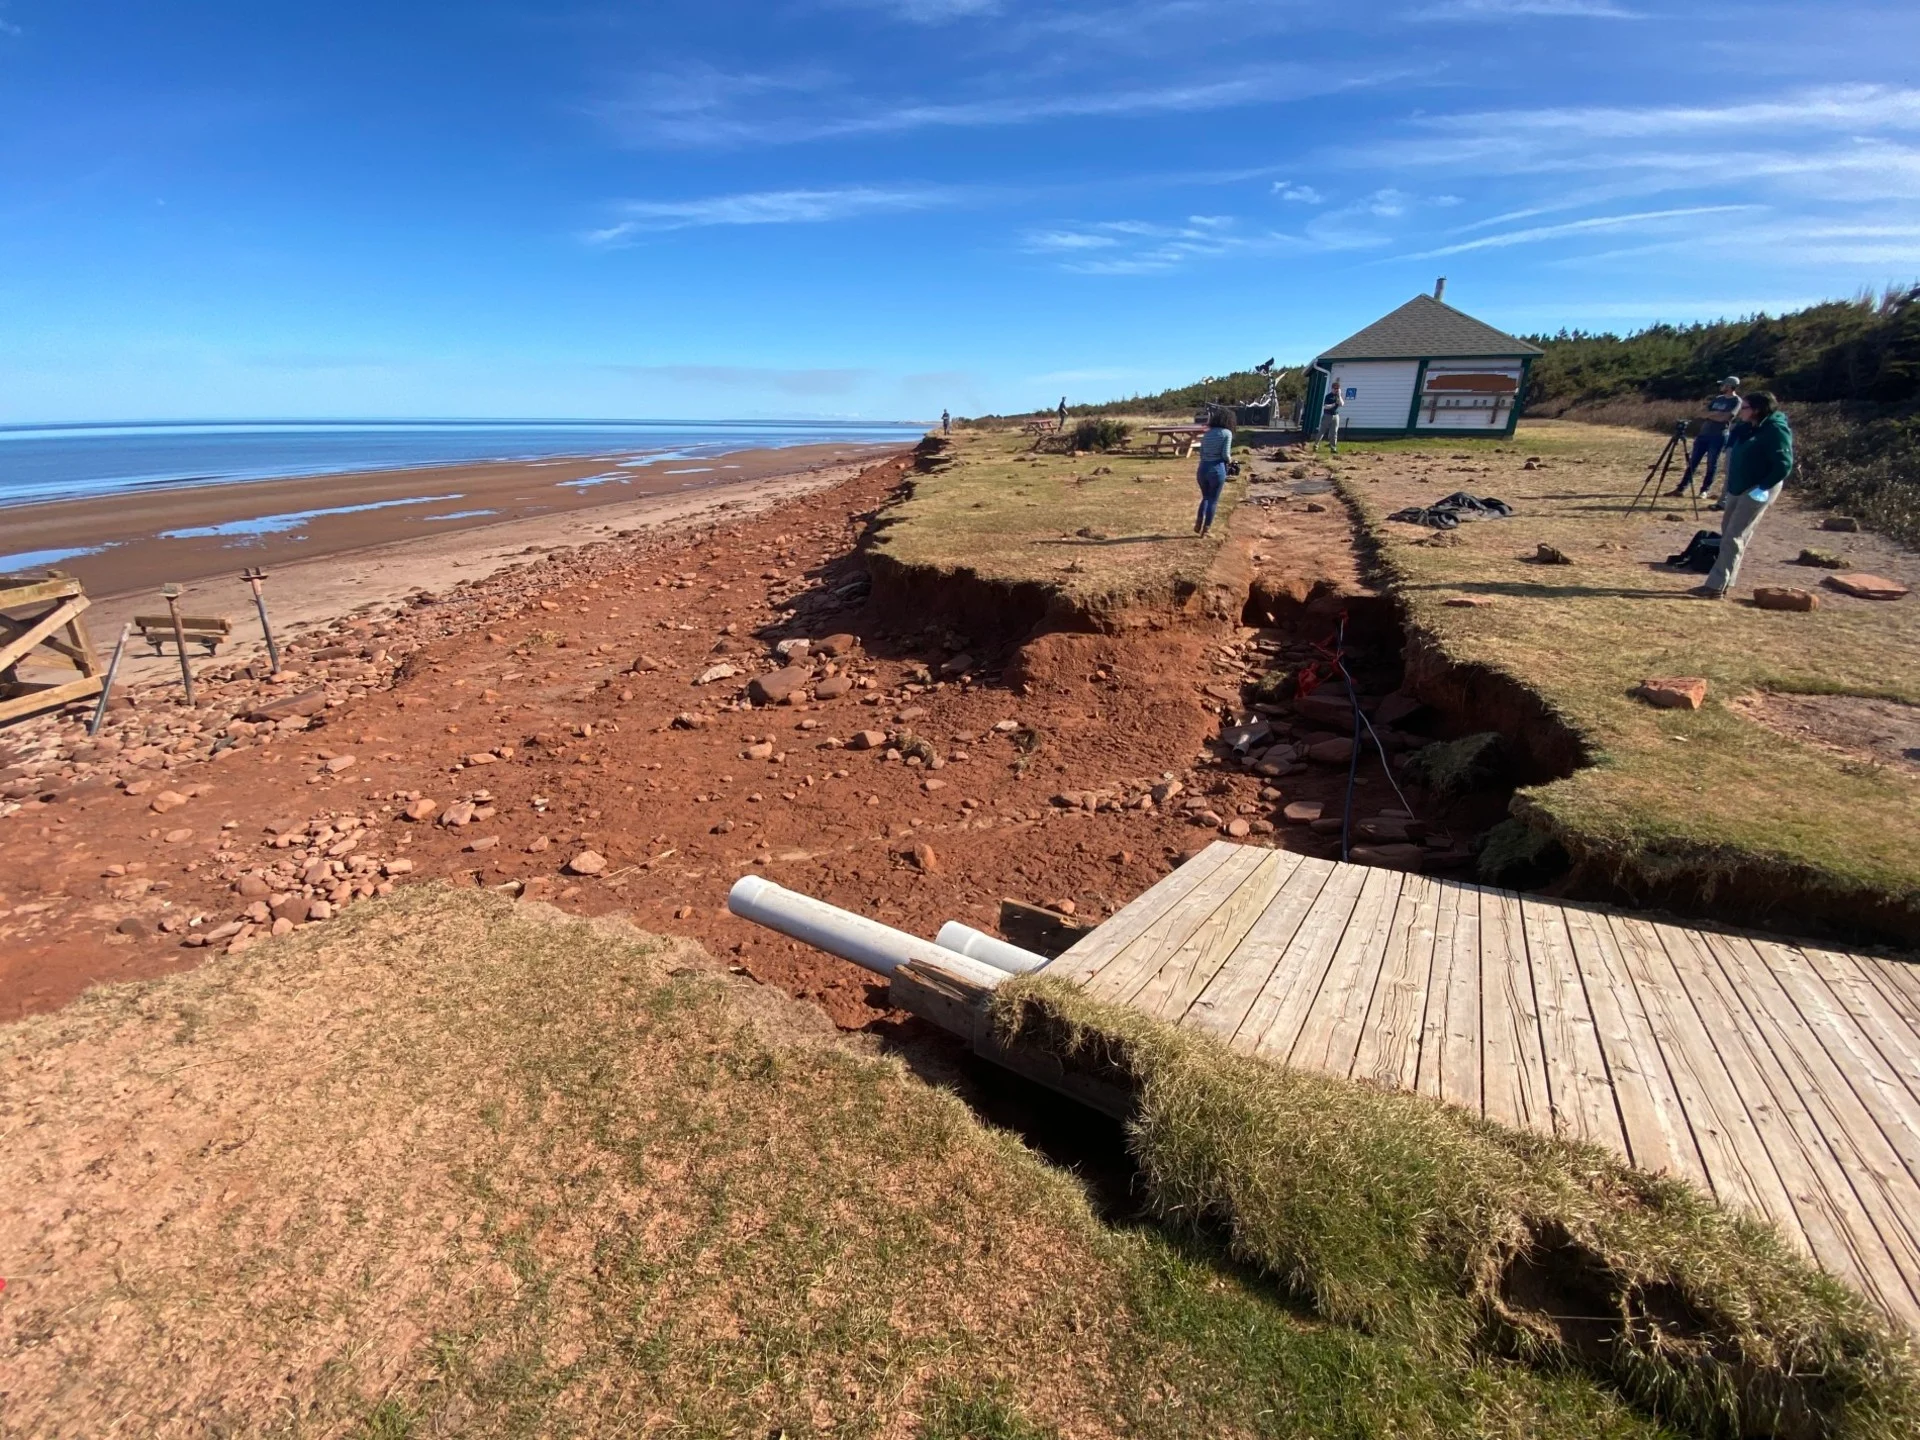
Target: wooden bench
[(207, 630)]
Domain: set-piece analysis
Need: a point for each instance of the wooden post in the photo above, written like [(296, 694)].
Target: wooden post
[(253, 576), (106, 689), (172, 592)]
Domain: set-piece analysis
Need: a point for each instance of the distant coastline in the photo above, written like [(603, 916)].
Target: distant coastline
[(99, 459), (141, 536)]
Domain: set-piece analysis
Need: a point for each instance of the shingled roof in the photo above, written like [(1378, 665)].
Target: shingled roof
[(1428, 328)]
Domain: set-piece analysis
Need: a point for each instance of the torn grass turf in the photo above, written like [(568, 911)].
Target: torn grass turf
[(1413, 1220)]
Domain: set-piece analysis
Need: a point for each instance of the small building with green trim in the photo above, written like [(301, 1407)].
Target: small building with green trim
[(1425, 369)]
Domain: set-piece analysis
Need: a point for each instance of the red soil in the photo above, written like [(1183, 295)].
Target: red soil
[(538, 664)]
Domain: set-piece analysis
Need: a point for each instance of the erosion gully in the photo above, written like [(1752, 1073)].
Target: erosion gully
[(545, 733)]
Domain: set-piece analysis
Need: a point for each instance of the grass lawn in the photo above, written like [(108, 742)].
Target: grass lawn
[(447, 1167), (1097, 531), (1688, 800)]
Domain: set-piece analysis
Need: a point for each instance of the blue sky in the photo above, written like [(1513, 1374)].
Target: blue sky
[(880, 207)]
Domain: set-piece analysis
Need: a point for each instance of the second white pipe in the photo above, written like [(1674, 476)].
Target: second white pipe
[(879, 948), (991, 949)]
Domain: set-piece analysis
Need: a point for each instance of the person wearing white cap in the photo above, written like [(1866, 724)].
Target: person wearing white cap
[(1718, 414)]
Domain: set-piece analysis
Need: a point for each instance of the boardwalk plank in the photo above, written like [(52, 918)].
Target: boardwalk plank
[(1583, 1101), (1901, 979), (1450, 1039), (1388, 1049), (1655, 1121), (1896, 1042), (1738, 1169), (1461, 1048), (1515, 1088), (1830, 1217), (1331, 1033), (1266, 958), (1168, 991), (1846, 1121), (1087, 955), (1273, 1022), (1124, 972)]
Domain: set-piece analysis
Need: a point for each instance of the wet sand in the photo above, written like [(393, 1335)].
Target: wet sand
[(196, 533), (333, 565)]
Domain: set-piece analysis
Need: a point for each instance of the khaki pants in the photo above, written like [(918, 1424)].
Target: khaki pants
[(1742, 515)]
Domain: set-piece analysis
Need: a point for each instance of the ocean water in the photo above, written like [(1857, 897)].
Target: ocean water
[(72, 462)]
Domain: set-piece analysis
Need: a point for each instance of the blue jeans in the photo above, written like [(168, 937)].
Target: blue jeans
[(1707, 447), (1213, 479)]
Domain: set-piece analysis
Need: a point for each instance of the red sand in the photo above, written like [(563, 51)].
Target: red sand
[(570, 672)]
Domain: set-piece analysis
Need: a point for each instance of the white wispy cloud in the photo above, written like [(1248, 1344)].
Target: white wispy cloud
[(930, 12), (1830, 107), (1302, 194), (706, 111), (1866, 246), (1068, 241), (1534, 234), (1138, 247), (768, 207)]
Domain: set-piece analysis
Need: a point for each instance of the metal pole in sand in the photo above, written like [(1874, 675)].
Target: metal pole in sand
[(253, 577), (106, 689), (172, 592)]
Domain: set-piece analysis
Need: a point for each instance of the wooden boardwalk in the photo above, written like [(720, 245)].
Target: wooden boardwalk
[(1783, 1078)]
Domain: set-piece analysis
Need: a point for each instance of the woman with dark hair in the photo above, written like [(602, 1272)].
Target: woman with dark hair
[(1216, 453), (1759, 459)]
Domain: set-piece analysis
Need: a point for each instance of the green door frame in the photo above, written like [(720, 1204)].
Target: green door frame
[(1419, 385)]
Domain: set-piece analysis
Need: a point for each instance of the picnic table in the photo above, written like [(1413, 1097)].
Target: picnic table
[(1182, 437)]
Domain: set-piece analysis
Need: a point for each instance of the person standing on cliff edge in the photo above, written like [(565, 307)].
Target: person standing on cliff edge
[(946, 423), (1759, 460), (1216, 453)]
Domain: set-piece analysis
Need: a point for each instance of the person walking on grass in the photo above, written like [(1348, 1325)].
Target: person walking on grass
[(1330, 409), (1720, 412), (1063, 412), (1759, 459), (1216, 453)]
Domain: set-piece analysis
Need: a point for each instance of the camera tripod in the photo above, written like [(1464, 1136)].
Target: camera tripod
[(1656, 481)]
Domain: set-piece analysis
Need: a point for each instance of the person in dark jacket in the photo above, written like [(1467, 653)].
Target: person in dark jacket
[(1216, 453), (1759, 459)]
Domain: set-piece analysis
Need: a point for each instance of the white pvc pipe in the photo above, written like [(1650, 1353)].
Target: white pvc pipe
[(878, 947), (991, 949)]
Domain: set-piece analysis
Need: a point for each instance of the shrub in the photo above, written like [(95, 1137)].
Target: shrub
[(1456, 767), (1101, 433)]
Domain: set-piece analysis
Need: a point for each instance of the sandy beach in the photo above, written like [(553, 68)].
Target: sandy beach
[(390, 532)]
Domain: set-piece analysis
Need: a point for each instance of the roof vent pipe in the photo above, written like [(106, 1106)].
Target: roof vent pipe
[(1440, 288)]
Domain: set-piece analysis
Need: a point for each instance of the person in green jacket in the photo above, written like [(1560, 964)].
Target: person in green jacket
[(1759, 459)]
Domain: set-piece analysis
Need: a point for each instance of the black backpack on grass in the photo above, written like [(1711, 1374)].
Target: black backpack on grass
[(1701, 554)]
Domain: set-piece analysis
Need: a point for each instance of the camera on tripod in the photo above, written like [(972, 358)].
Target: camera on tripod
[(1654, 486)]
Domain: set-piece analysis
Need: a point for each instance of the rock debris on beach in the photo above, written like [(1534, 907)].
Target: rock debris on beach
[(612, 782)]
